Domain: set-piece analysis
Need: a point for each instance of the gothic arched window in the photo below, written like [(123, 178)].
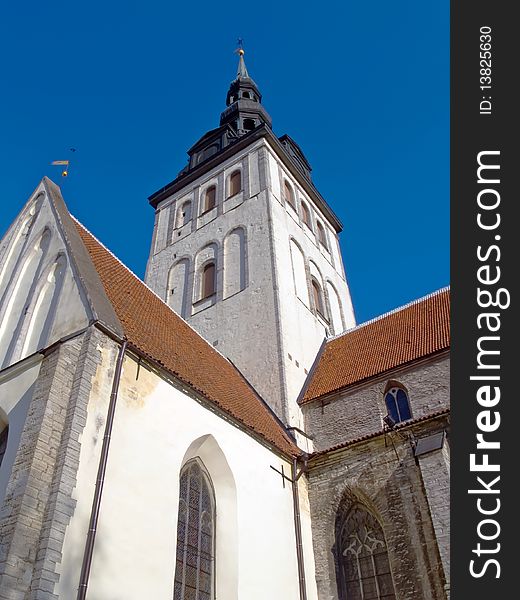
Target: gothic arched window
[(397, 404), (208, 286), (317, 294), (322, 236), (235, 183), (306, 215), (210, 199), (288, 193), (4, 434), (195, 558), (362, 557)]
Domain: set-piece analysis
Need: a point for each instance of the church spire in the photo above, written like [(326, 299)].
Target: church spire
[(244, 110), (242, 69)]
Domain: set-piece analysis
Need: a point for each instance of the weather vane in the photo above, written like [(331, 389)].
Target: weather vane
[(64, 163), (240, 44)]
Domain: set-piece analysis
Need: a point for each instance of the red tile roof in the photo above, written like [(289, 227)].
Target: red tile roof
[(415, 331), (155, 330)]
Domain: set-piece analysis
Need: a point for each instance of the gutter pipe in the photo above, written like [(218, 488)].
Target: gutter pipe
[(103, 459)]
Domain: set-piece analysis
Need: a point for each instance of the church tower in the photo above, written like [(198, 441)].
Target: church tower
[(246, 250)]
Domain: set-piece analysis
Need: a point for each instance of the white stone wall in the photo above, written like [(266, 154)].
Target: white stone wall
[(302, 329), (36, 284), (157, 428), (263, 315)]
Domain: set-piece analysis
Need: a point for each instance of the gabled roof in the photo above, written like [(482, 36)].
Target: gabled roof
[(154, 330), (412, 332)]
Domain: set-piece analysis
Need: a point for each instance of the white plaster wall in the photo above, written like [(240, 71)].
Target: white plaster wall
[(303, 331), (70, 305), (156, 429), (240, 323), (16, 390), (265, 329)]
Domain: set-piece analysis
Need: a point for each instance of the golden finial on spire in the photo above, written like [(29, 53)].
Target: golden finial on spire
[(240, 49)]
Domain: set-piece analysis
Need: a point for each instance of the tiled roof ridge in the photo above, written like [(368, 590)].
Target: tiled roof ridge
[(150, 289), (390, 312)]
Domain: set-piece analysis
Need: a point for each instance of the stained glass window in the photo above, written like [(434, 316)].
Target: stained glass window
[(397, 404), (195, 560), (363, 567)]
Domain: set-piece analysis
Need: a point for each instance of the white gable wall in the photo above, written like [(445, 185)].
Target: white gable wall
[(157, 429), (36, 284)]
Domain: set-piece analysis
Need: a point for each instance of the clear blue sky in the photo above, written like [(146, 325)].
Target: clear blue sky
[(363, 87)]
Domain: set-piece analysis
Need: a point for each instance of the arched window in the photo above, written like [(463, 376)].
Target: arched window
[(4, 434), (210, 199), (246, 95), (184, 214), (288, 193), (208, 284), (235, 183), (195, 563), (322, 236), (397, 404), (317, 294), (306, 215), (362, 557)]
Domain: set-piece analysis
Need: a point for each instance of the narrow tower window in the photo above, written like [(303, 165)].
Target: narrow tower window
[(317, 294), (210, 198), (208, 280), (288, 193), (195, 564), (306, 215), (322, 236), (363, 566), (235, 183), (397, 404)]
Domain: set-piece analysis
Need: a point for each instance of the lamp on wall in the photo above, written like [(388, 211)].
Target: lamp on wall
[(389, 422)]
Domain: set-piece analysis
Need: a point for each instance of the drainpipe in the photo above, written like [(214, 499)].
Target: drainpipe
[(96, 503), (298, 529)]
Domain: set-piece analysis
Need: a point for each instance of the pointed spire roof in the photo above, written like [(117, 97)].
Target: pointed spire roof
[(242, 69)]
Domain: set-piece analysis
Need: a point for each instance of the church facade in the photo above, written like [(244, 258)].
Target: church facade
[(223, 430)]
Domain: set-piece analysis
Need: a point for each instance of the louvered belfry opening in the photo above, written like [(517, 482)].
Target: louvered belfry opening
[(195, 565)]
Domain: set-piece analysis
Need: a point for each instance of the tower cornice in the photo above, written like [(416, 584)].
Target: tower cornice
[(263, 131)]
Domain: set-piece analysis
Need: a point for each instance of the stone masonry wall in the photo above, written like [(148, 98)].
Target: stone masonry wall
[(354, 413), (389, 483), (38, 503)]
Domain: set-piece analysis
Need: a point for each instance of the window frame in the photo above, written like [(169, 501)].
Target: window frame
[(341, 549), (204, 267), (322, 235), (205, 207), (316, 287), (230, 193), (291, 197), (206, 479), (394, 398), (306, 214)]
